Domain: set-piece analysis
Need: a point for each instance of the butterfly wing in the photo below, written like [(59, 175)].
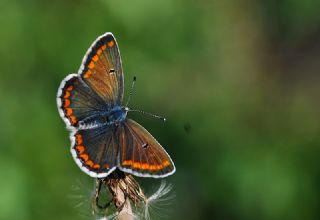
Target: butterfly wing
[(98, 86), (76, 101), (95, 150), (141, 154), (101, 69)]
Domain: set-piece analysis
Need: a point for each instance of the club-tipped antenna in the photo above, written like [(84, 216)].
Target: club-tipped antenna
[(149, 114), (131, 90)]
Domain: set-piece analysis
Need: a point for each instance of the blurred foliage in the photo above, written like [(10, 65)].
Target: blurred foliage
[(241, 76)]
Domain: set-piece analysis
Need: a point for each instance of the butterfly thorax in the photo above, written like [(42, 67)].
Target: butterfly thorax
[(116, 115)]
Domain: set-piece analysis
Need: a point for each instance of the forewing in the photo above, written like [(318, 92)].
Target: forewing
[(76, 101), (95, 150), (101, 69), (141, 154)]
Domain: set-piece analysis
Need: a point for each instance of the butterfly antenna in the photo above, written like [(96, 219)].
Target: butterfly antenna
[(131, 90), (149, 114)]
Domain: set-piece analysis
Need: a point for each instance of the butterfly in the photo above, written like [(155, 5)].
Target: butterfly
[(102, 138)]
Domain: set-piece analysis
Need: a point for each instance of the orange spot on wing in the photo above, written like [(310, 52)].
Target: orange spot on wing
[(152, 167), (96, 166), (137, 165), (99, 52), (69, 111), (90, 163), (80, 149), (95, 58), (66, 95), (91, 65), (70, 88), (73, 119), (79, 139), (166, 163), (66, 103), (104, 47), (87, 74), (145, 166), (111, 44), (84, 157), (127, 162), (160, 166)]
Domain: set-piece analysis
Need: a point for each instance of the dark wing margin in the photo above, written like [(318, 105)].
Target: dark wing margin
[(141, 154), (95, 150), (101, 69), (76, 101)]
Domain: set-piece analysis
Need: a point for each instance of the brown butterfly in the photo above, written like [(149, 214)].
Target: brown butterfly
[(103, 139)]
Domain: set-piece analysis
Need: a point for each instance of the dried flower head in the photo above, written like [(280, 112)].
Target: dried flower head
[(127, 201)]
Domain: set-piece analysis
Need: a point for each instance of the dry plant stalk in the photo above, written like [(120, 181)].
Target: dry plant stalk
[(127, 197), (124, 190)]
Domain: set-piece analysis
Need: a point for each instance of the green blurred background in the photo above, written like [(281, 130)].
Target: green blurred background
[(237, 80)]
